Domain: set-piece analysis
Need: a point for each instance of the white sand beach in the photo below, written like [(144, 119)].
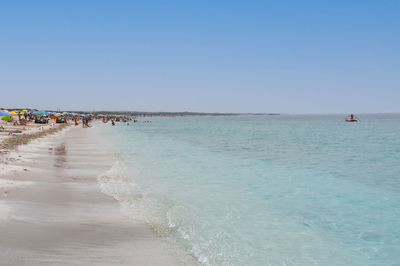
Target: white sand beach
[(53, 213)]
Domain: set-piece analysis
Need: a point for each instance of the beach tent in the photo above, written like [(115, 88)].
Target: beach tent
[(7, 118)]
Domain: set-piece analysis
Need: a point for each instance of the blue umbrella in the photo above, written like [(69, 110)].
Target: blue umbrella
[(4, 113), (40, 112)]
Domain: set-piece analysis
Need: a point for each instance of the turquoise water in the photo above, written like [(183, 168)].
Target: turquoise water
[(265, 190)]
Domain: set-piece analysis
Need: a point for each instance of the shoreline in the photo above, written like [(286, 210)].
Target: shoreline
[(52, 210)]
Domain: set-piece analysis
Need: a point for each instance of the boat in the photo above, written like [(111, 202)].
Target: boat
[(351, 118)]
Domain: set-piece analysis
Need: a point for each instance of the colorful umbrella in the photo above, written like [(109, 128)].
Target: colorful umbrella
[(7, 118), (40, 112)]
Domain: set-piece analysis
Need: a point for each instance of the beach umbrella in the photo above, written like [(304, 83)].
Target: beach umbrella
[(13, 113), (4, 113), (24, 110), (40, 112), (7, 118)]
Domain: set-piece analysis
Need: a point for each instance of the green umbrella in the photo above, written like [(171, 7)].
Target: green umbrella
[(7, 118)]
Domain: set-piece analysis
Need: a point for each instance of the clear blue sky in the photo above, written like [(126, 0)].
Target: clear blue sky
[(213, 56)]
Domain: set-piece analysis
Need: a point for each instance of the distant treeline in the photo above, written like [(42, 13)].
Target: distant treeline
[(138, 113)]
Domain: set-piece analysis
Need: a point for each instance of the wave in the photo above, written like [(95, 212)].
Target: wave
[(167, 219)]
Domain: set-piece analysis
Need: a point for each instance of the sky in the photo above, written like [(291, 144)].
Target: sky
[(202, 56)]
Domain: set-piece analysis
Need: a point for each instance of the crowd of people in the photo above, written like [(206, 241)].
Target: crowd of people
[(118, 118), (23, 117)]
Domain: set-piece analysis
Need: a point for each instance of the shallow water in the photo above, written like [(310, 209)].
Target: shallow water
[(265, 190)]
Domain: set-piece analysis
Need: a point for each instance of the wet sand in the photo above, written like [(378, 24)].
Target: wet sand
[(53, 213)]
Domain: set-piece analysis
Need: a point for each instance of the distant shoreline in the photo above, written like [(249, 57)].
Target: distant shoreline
[(142, 113)]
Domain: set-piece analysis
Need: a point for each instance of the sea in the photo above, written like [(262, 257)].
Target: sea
[(263, 189)]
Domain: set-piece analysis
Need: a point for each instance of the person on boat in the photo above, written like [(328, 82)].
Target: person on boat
[(351, 118)]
